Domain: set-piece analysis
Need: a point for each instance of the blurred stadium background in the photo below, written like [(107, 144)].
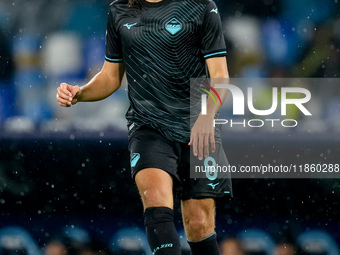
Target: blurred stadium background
[(64, 173)]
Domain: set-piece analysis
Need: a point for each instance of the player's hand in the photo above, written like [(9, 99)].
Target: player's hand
[(67, 94), (202, 133)]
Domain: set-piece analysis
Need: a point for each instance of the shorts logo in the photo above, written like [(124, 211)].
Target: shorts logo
[(213, 185), (173, 26), (134, 159)]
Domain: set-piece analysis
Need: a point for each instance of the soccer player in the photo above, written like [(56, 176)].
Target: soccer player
[(161, 44)]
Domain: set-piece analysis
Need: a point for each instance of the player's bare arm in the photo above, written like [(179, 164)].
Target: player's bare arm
[(203, 130), (102, 85)]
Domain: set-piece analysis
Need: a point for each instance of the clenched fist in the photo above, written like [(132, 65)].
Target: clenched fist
[(67, 94)]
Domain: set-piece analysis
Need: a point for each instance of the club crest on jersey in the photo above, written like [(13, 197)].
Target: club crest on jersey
[(173, 26)]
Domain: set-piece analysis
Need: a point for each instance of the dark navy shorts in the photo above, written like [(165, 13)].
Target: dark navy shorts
[(150, 149)]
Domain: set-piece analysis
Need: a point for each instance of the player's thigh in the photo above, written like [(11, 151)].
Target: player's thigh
[(155, 187), (153, 166)]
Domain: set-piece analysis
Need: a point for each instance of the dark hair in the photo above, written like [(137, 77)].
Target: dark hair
[(138, 4)]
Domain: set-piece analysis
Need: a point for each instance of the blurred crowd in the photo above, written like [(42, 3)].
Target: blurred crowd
[(257, 242), (45, 43), (283, 38), (73, 240)]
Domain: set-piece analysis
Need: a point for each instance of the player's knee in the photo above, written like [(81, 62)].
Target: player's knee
[(198, 228), (155, 198), (196, 223), (150, 196)]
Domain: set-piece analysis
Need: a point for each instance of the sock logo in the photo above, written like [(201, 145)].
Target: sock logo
[(173, 26), (134, 159), (166, 245)]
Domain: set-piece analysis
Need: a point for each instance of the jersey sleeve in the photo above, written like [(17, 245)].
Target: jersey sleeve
[(212, 37), (114, 51)]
